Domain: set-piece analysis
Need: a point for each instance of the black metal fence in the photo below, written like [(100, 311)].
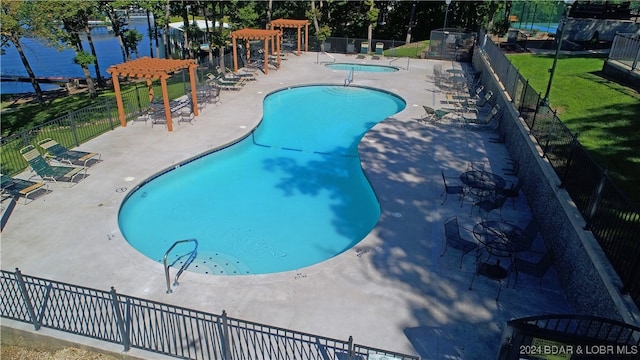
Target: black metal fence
[(79, 126), (161, 328), (569, 337), (610, 215)]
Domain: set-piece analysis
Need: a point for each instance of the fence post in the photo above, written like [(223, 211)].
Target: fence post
[(72, 125), (634, 66), (27, 300), (574, 143), (226, 344), (550, 133), (595, 201), (123, 332), (351, 350), (138, 98), (535, 114), (107, 105)]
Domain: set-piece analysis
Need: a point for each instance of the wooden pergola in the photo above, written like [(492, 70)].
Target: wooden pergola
[(257, 34), (295, 24), (151, 68)]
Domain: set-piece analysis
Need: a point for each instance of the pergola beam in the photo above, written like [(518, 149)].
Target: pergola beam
[(256, 34), (296, 24), (150, 68)]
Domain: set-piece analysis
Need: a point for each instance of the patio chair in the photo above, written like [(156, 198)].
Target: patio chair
[(535, 269), (476, 104), (379, 51), (19, 187), (454, 240), (364, 50), (186, 115), (433, 115), (529, 235), (54, 150), (457, 188), (492, 271), (476, 166), (224, 85), (488, 205), (486, 122), (512, 167), (246, 75), (511, 192), (49, 172)]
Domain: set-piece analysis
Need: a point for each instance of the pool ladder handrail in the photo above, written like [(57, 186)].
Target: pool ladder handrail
[(349, 78), (324, 53), (192, 256)]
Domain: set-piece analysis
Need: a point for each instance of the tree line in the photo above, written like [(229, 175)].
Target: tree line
[(61, 24)]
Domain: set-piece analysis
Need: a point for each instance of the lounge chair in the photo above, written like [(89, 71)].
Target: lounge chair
[(484, 122), (246, 75), (61, 154), (224, 85), (433, 115), (379, 51), (19, 187), (364, 50), (49, 172)]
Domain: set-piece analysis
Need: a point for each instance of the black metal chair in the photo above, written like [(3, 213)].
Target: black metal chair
[(492, 271), (511, 192), (451, 189), (535, 269), (529, 234), (488, 205), (454, 240)]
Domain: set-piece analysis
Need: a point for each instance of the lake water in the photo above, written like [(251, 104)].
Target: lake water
[(48, 61)]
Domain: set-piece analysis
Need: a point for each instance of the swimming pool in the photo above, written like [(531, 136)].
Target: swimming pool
[(362, 67), (290, 195)]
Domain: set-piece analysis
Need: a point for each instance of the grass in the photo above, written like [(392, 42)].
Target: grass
[(411, 50), (603, 113), (23, 112)]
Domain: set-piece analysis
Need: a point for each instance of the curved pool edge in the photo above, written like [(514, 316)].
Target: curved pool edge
[(313, 268)]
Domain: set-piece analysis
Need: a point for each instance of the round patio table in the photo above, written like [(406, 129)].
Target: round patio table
[(501, 239), (482, 183)]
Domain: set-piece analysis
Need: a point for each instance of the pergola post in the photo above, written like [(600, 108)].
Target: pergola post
[(149, 69), (194, 93), (116, 87), (306, 37), (235, 55), (299, 41), (257, 34), (266, 56), (150, 89), (290, 23), (167, 108)]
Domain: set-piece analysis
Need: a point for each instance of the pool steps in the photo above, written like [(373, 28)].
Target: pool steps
[(218, 263)]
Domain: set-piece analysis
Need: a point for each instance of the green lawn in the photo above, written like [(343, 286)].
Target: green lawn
[(605, 115), (411, 50)]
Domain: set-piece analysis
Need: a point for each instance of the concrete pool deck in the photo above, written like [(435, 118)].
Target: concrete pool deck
[(393, 290)]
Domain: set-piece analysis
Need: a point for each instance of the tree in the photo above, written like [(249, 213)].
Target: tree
[(74, 17), (14, 24), (372, 18), (118, 22)]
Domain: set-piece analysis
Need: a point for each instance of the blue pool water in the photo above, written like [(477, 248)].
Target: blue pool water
[(290, 195), (362, 67)]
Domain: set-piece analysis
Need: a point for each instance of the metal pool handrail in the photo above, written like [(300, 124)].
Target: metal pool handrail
[(324, 53), (349, 78), (192, 255)]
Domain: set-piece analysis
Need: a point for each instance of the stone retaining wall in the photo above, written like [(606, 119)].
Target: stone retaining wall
[(591, 285)]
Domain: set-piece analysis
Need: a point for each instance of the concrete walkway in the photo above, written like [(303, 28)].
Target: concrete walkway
[(392, 291)]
